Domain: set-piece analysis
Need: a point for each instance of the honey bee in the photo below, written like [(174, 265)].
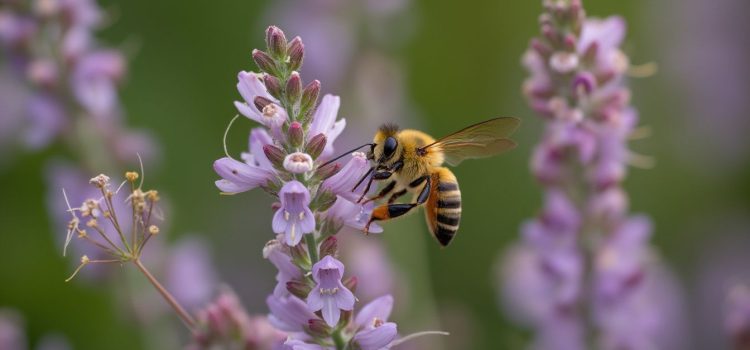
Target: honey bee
[(412, 162)]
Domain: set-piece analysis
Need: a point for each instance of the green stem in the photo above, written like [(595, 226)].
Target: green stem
[(338, 340), (312, 248), (184, 315)]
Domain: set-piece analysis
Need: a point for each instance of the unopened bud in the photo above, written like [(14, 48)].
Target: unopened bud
[(85, 260), (295, 135), (323, 200), (346, 318), (131, 176), (298, 288), (276, 41), (318, 328), (316, 145), (329, 246), (310, 96), (275, 155), (264, 62), (296, 51), (261, 102), (351, 283), (327, 171), (299, 256), (584, 83), (272, 85), (294, 87), (153, 229)]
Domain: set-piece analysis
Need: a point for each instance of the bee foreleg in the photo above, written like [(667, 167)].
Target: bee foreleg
[(384, 192)]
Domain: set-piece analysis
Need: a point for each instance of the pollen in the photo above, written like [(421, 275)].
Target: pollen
[(131, 176), (329, 291), (85, 260), (270, 110)]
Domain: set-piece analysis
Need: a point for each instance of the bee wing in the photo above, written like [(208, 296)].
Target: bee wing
[(480, 140)]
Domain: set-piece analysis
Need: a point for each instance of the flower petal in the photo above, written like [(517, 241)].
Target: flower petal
[(377, 338), (330, 311), (379, 308)]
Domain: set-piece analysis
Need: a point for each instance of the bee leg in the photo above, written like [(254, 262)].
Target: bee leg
[(377, 176), (394, 210), (396, 196), (384, 192)]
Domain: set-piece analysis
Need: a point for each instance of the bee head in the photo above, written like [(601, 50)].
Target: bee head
[(386, 145)]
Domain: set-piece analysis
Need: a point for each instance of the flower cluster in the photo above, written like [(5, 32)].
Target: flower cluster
[(585, 258), (313, 302), (225, 324), (50, 45)]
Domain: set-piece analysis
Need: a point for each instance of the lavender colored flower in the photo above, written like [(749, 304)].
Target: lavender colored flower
[(289, 313), (276, 253), (94, 81), (324, 122), (329, 296), (584, 243), (12, 336), (225, 322), (298, 163), (342, 184), (190, 273), (294, 218), (240, 177)]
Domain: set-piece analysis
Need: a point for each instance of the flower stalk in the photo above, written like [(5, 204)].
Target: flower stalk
[(313, 301)]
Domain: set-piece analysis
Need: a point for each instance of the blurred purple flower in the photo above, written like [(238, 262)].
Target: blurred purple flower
[(46, 120), (94, 81), (329, 294), (190, 274), (583, 267), (12, 335), (294, 218)]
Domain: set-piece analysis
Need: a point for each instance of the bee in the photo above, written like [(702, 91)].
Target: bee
[(412, 162)]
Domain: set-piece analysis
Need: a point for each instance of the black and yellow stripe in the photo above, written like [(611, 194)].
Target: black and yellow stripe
[(448, 210)]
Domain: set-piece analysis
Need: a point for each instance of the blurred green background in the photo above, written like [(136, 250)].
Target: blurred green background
[(461, 65)]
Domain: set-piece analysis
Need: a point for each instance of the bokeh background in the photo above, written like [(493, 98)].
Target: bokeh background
[(434, 65)]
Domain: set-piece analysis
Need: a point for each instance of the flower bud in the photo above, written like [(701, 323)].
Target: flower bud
[(276, 42), (272, 85), (264, 62), (298, 163), (299, 256), (316, 145), (275, 155), (298, 288), (322, 173), (584, 83), (294, 87), (318, 328), (323, 200), (351, 283), (329, 246), (310, 96), (261, 102), (295, 135), (296, 51)]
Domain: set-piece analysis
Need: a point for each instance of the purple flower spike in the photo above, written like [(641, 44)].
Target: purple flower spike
[(324, 121), (294, 218), (378, 337), (329, 295), (239, 177)]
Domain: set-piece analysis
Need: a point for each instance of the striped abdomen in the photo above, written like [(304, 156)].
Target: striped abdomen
[(444, 206)]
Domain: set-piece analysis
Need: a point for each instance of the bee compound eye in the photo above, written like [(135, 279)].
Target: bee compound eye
[(389, 146)]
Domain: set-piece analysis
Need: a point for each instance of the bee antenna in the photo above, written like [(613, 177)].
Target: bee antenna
[(343, 154)]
